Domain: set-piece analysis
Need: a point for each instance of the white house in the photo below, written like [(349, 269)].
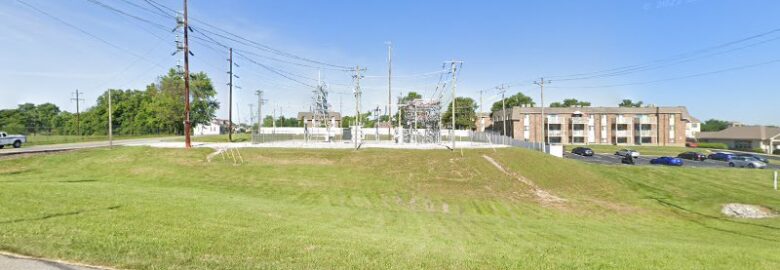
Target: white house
[(215, 127)]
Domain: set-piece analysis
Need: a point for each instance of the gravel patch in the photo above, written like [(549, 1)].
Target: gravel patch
[(739, 210)]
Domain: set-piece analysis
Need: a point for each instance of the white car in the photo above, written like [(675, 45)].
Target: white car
[(14, 140), (746, 162), (624, 152)]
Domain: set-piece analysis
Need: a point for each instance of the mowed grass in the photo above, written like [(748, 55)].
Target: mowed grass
[(144, 208), (60, 139)]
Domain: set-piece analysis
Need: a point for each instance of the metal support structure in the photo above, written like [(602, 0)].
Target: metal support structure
[(358, 94), (502, 88), (78, 100), (545, 124), (389, 87), (454, 70)]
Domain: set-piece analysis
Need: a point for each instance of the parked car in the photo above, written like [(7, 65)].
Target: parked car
[(624, 152), (670, 161), (14, 140), (691, 145), (723, 156), (582, 151), (692, 156), (746, 162), (757, 157)]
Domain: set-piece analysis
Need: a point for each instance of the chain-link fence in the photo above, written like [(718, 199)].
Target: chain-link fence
[(495, 138)]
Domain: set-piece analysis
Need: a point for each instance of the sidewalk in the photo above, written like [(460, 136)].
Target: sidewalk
[(18, 263)]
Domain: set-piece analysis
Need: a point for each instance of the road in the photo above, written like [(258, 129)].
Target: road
[(8, 262), (81, 145), (645, 160)]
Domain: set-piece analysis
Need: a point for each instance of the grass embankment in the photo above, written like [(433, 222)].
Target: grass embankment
[(60, 139), (149, 208)]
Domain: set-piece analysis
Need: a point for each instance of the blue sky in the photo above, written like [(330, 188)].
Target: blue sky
[(511, 42)]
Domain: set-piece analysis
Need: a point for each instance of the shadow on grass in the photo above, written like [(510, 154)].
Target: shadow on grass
[(63, 214), (718, 218)]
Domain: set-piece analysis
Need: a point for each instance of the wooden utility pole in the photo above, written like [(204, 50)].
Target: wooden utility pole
[(78, 111), (230, 99), (502, 88), (187, 123), (110, 123)]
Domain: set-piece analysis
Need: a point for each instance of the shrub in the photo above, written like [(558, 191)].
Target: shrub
[(713, 145), (758, 150), (776, 152)]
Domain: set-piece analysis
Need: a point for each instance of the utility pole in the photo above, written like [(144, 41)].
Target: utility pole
[(502, 88), (546, 126), (454, 68), (78, 111), (358, 93), (400, 128), (260, 102), (110, 123), (187, 123), (230, 99), (389, 86), (251, 114)]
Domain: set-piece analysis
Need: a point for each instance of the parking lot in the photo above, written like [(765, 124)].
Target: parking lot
[(599, 158)]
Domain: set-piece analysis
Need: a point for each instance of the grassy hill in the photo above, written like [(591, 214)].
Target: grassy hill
[(145, 208)]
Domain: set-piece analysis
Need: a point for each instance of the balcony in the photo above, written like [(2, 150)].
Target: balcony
[(647, 120), (622, 133), (554, 120), (554, 133), (579, 120), (578, 133), (646, 133), (624, 120)]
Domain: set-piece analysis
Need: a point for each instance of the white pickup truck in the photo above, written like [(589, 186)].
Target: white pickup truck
[(15, 140)]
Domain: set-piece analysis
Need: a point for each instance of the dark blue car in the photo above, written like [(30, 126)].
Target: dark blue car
[(723, 156), (670, 161)]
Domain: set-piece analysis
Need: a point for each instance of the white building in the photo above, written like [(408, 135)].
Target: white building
[(692, 128), (215, 127)]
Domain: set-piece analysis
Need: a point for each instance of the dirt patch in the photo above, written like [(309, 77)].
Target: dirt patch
[(541, 195), (739, 210)]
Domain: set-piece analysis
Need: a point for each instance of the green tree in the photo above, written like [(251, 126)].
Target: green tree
[(630, 103), (570, 102), (465, 113), (714, 125), (512, 101)]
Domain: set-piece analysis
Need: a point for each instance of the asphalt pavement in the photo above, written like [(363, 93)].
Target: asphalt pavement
[(612, 159), (74, 146), (23, 263)]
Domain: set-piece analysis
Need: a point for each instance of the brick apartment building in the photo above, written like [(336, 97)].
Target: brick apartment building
[(596, 125)]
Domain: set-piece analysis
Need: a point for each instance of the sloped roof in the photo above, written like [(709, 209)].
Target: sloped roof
[(743, 133)]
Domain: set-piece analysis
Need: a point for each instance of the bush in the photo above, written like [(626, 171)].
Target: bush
[(776, 152), (757, 150), (713, 145)]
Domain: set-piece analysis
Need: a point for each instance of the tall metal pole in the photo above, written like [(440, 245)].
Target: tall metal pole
[(453, 66), (78, 112), (230, 99), (187, 123), (358, 94), (389, 86), (503, 88), (110, 123), (545, 124)]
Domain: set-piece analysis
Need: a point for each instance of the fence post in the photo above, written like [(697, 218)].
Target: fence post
[(775, 180)]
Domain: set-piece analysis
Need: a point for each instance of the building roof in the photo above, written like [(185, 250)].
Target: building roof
[(743, 133), (599, 110)]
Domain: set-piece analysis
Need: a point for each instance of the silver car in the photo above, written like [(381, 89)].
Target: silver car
[(746, 162), (625, 152)]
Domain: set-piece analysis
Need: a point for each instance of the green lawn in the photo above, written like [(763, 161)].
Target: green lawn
[(144, 208), (59, 139)]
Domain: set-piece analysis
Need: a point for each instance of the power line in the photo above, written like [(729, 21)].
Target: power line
[(680, 77)]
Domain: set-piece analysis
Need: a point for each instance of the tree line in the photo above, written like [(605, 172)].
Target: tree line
[(156, 110)]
